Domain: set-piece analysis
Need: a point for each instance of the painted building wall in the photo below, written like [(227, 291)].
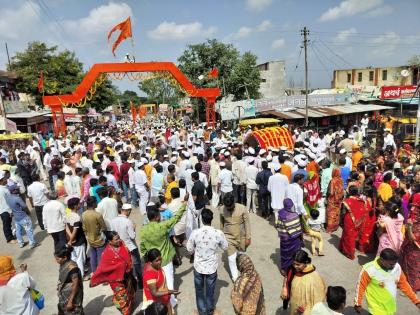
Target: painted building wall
[(273, 74)]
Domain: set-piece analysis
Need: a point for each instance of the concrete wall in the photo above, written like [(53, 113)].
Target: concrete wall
[(272, 79), (340, 79)]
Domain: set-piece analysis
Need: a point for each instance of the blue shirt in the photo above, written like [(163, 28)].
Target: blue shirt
[(165, 215), (95, 193), (345, 174), (16, 203)]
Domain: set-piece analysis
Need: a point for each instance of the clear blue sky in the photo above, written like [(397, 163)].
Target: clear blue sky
[(343, 34)]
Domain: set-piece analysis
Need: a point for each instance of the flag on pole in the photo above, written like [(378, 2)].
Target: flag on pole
[(214, 73), (125, 28), (41, 82), (133, 112)]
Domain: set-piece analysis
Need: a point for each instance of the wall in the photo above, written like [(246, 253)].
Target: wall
[(393, 77), (274, 78)]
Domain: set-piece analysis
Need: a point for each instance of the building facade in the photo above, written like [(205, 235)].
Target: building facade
[(379, 77), (273, 75)]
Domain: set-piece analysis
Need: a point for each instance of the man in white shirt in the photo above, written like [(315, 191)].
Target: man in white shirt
[(54, 219), (126, 229), (364, 124), (389, 140), (239, 179), (335, 304), (204, 243), (72, 183), (142, 188), (277, 185), (38, 197), (214, 178), (251, 172), (224, 180), (108, 207), (5, 210), (295, 192)]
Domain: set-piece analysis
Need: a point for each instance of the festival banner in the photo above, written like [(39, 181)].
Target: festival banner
[(236, 110)]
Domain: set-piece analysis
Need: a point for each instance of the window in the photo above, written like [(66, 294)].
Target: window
[(348, 77), (384, 75), (370, 75), (359, 77)]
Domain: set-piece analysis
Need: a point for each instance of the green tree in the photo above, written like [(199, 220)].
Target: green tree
[(160, 91), (63, 72), (414, 61), (235, 70)]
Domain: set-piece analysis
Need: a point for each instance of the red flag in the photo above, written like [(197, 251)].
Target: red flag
[(214, 73), (41, 82), (125, 28)]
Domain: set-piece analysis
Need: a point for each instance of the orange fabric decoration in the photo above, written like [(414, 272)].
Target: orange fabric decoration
[(125, 28), (142, 111), (133, 112), (41, 82), (214, 73)]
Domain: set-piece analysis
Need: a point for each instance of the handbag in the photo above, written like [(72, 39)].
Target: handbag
[(37, 297)]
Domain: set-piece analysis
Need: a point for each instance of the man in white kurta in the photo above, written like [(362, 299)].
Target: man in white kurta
[(277, 185)]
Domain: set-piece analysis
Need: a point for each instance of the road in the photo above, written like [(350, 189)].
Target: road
[(264, 251)]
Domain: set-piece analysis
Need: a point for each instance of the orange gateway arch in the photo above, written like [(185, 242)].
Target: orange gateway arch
[(133, 71)]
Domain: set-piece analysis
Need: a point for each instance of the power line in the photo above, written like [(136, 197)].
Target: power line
[(325, 55), (334, 53), (319, 59), (366, 34), (51, 15)]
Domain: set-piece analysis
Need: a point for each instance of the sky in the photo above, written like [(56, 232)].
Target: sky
[(343, 34)]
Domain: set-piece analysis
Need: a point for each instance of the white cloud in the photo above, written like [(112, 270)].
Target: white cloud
[(264, 26), (171, 30), (14, 24), (99, 21), (278, 43), (352, 7), (381, 11), (343, 36), (243, 32), (258, 5)]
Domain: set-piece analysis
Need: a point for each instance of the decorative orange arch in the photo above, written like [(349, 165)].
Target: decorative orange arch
[(56, 102)]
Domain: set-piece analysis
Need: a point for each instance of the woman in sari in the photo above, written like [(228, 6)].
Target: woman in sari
[(116, 269), (303, 286), (70, 283), (390, 224), (290, 234), (410, 249), (154, 282), (354, 218), (247, 292), (367, 239), (335, 196), (15, 297)]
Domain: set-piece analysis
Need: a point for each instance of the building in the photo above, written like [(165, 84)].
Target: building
[(369, 76), (273, 75)]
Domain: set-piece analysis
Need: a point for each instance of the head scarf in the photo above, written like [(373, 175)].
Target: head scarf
[(7, 270), (247, 289), (336, 189), (288, 204), (313, 189)]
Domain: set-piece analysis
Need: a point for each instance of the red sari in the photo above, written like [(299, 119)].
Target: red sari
[(151, 275), (353, 225), (367, 239), (335, 196), (116, 268), (313, 190)]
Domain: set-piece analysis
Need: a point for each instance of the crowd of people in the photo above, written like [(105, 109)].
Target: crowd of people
[(81, 189)]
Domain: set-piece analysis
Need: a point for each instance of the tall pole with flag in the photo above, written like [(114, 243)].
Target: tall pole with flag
[(40, 84)]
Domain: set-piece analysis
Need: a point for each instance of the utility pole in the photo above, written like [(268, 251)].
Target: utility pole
[(418, 117), (305, 33), (8, 58)]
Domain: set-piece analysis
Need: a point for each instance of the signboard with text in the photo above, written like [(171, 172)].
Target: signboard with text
[(237, 110), (402, 91)]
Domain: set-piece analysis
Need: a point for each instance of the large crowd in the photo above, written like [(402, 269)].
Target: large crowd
[(81, 189)]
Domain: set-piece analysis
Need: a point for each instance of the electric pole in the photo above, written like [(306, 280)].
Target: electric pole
[(305, 33), (8, 58)]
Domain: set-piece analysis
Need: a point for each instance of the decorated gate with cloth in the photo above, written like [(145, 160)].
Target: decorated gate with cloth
[(274, 137)]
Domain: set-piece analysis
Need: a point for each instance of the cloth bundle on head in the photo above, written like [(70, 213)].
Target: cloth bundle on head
[(7, 269)]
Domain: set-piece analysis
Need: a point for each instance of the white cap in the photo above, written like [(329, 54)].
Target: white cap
[(283, 148), (250, 160), (2, 174), (276, 167), (155, 162), (144, 160), (186, 154), (351, 136), (126, 206), (173, 159), (251, 150), (343, 151), (223, 164), (262, 152), (312, 156), (320, 158), (140, 164), (397, 165), (306, 144), (227, 153), (269, 158)]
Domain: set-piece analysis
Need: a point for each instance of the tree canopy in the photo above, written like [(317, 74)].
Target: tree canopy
[(62, 73), (237, 73), (160, 91)]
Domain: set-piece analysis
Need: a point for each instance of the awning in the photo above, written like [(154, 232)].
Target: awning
[(258, 121), (325, 111), (7, 125)]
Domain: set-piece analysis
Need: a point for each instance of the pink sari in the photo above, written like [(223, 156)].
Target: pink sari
[(392, 237)]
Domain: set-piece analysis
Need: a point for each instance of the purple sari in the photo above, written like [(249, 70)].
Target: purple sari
[(290, 233)]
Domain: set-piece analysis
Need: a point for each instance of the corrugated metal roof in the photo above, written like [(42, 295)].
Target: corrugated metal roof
[(325, 111)]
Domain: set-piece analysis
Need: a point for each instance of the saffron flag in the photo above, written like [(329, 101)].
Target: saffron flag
[(41, 82), (214, 73), (125, 28), (133, 112)]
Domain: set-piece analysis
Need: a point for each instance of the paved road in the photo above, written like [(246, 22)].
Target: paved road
[(264, 251)]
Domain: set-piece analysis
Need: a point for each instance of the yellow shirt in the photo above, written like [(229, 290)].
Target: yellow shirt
[(385, 191), (168, 196)]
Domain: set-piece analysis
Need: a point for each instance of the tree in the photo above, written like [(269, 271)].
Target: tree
[(128, 96), (160, 91), (62, 74), (414, 61), (235, 71)]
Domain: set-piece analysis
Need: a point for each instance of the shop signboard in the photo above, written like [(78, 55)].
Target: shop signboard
[(402, 91), (236, 110)]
